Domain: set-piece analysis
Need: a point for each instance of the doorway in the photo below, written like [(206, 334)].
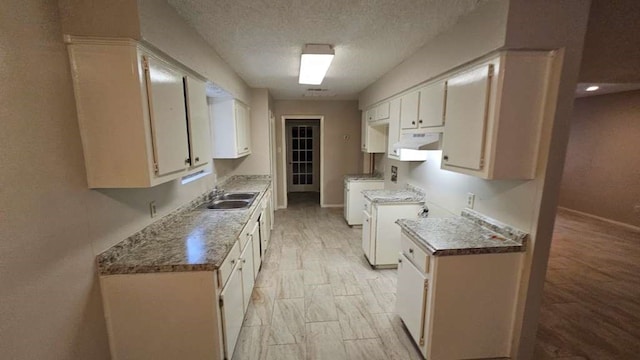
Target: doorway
[(302, 159)]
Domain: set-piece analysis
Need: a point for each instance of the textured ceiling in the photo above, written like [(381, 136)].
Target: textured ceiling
[(262, 40)]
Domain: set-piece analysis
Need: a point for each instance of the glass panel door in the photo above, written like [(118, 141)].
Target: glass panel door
[(302, 153)]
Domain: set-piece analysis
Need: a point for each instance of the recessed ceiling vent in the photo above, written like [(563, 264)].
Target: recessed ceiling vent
[(316, 92)]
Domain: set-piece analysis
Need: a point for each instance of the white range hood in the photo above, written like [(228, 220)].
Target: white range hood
[(414, 146)]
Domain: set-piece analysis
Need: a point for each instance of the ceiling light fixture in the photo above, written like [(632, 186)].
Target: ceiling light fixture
[(314, 63), (593, 88)]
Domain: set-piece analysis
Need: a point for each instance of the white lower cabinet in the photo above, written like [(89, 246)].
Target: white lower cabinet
[(380, 234), (184, 314), (232, 306), (354, 200), (411, 295), (457, 307)]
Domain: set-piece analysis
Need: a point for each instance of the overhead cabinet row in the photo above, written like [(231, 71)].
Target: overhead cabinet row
[(489, 114), (144, 120)]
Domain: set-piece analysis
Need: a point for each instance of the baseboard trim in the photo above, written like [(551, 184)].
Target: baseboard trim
[(332, 205), (614, 222)]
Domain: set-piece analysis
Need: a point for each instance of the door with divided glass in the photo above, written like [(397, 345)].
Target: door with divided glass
[(303, 158)]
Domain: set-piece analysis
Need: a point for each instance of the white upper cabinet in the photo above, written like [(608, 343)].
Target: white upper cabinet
[(199, 127), (432, 102), (165, 90), (493, 116), (132, 113), (394, 128), (382, 111), (374, 138), (409, 110), (370, 115), (424, 107), (231, 129)]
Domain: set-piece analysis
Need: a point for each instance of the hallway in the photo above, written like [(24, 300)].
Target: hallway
[(317, 298)]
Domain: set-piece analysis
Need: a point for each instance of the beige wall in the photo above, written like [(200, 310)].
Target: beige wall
[(611, 51), (340, 156), (475, 34), (602, 171), (51, 224), (529, 205)]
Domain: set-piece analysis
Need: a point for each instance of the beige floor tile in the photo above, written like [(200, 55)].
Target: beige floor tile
[(286, 352), (315, 273), (252, 343), (260, 309), (355, 321), (365, 349), (290, 284), (324, 341), (319, 304), (287, 323)]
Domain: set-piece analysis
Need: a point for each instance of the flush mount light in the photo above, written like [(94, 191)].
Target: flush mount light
[(593, 88), (314, 63)]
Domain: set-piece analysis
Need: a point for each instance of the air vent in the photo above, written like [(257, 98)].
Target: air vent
[(318, 92)]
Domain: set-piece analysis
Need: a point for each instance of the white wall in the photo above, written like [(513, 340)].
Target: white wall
[(51, 225), (528, 205)]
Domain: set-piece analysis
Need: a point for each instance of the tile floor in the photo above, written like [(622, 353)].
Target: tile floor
[(317, 298)]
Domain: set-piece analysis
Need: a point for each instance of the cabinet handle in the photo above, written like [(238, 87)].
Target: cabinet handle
[(244, 261), (197, 159), (246, 148), (445, 158), (410, 251), (233, 261), (399, 260), (187, 161), (413, 123), (420, 121)]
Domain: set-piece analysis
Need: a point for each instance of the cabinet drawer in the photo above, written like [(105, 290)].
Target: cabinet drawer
[(228, 264), (414, 253)]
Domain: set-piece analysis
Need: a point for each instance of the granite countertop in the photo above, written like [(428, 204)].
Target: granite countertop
[(393, 196), (470, 233), (363, 177), (192, 238)]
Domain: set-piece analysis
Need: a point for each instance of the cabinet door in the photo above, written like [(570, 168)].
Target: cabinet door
[(366, 236), (232, 310), (466, 118), (382, 111), (198, 116), (394, 128), (410, 298), (248, 277), (256, 241), (371, 115), (431, 110), (165, 91), (409, 110), (241, 140), (363, 131), (346, 202), (247, 129)]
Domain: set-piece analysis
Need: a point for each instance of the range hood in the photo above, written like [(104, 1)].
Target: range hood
[(414, 146)]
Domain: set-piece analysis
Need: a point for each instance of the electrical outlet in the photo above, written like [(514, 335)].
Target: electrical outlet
[(152, 209), (471, 199)]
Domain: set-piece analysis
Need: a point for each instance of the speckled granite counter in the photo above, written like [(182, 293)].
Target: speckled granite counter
[(192, 238), (471, 233), (393, 196), (363, 177)]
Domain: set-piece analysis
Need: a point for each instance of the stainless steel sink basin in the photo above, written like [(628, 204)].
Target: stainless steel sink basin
[(229, 204), (239, 196)]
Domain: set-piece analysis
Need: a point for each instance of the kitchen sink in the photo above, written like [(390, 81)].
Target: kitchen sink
[(238, 196), (229, 204)]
